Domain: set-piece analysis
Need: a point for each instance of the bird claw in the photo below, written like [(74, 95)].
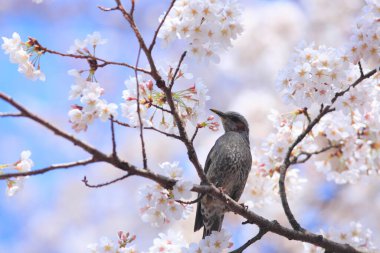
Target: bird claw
[(221, 190), (244, 206)]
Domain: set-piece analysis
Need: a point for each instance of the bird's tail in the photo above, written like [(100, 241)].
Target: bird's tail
[(215, 224)]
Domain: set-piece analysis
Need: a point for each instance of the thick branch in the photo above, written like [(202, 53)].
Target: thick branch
[(47, 169), (96, 153), (202, 189)]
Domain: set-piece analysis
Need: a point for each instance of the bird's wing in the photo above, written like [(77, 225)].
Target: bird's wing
[(198, 217)]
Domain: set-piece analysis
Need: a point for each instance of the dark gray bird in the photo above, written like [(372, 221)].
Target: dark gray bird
[(227, 167)]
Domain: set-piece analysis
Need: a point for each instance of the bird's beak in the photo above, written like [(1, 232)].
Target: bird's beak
[(219, 113)]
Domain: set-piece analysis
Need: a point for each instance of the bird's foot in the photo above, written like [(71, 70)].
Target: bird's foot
[(244, 206)]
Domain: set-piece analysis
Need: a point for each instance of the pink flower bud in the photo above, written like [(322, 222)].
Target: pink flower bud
[(149, 85), (210, 118)]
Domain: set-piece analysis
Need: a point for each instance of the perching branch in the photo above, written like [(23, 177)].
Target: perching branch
[(287, 160), (168, 183), (47, 169)]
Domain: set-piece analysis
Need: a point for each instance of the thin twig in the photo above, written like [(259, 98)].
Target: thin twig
[(287, 160), (114, 152), (161, 108), (183, 55), (89, 57), (132, 10), (10, 114), (85, 181), (160, 25), (154, 72), (360, 69), (195, 134), (306, 113), (141, 128), (192, 201), (257, 237), (107, 9), (47, 169), (149, 128), (308, 155)]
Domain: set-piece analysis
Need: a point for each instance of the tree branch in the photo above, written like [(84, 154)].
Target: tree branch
[(308, 155), (85, 181), (10, 114), (259, 235), (154, 72), (160, 25), (114, 151), (183, 55), (90, 57), (47, 169), (287, 160), (149, 128), (141, 128), (192, 201), (168, 183)]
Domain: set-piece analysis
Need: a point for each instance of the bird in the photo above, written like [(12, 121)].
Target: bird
[(227, 167)]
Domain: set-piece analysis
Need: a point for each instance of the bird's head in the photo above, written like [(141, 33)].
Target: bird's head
[(233, 121)]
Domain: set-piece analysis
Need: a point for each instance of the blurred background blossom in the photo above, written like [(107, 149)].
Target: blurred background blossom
[(56, 213)]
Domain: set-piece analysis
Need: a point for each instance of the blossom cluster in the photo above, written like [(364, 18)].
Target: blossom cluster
[(207, 26), (262, 185), (217, 242), (170, 242), (107, 245), (313, 75), (92, 105), (355, 235), (365, 41), (159, 205), (154, 109), (25, 54), (358, 151), (93, 40), (25, 164)]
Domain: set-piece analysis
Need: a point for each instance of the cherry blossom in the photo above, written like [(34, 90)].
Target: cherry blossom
[(365, 42), (21, 53), (93, 40), (158, 205), (92, 105), (189, 101), (207, 26), (354, 235)]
